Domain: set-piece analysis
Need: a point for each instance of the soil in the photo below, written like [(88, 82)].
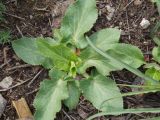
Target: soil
[(34, 18)]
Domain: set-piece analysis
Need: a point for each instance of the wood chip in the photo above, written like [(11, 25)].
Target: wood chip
[(137, 2), (22, 109), (6, 82), (82, 114)]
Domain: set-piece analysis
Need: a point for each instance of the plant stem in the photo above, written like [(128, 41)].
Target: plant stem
[(139, 110)]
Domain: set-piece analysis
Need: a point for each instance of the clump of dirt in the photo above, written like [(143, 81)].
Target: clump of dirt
[(38, 18)]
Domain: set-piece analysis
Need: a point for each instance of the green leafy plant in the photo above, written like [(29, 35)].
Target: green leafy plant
[(153, 69), (4, 37), (152, 87), (75, 65), (4, 34), (158, 4)]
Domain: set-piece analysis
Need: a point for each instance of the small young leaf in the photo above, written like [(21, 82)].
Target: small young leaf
[(59, 54), (49, 98), (26, 49), (74, 95), (156, 54), (99, 89), (152, 65), (154, 73), (78, 20)]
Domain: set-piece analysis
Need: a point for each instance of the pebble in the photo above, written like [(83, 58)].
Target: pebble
[(145, 23), (3, 103), (137, 2), (111, 11), (6, 82)]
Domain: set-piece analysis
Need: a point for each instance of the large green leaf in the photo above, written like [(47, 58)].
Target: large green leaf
[(26, 49), (99, 89), (107, 41), (74, 94), (127, 53), (59, 54), (78, 20), (49, 98), (156, 54), (103, 38)]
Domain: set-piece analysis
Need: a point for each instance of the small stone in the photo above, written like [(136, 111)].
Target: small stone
[(3, 103), (137, 2), (6, 82), (121, 23), (31, 17), (145, 23), (82, 114), (111, 11)]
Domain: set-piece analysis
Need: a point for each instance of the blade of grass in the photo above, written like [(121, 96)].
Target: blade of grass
[(140, 110), (140, 86), (155, 118), (131, 94)]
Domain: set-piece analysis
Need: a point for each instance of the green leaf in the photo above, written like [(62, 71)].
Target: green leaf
[(56, 74), (103, 38), (98, 89), (49, 98), (154, 73), (2, 9), (155, 29), (26, 49), (152, 65), (129, 54), (158, 5), (74, 95), (156, 54), (107, 40), (156, 40), (49, 40), (59, 54), (57, 34), (120, 62), (78, 20)]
